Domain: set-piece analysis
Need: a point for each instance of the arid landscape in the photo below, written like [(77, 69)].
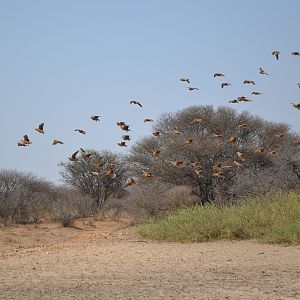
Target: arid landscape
[(109, 260)]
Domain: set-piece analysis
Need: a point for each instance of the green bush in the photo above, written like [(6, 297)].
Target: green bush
[(272, 219)]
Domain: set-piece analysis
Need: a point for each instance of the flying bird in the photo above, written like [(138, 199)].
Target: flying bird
[(232, 140), (80, 131), (122, 144), (125, 137), (234, 101), (185, 80), (176, 163), (130, 181), (223, 84), (148, 120), (240, 156), (298, 85), (200, 173), (218, 136), (276, 54), (177, 132), (260, 150), (85, 155), (261, 71), (156, 133), (296, 105), (192, 88), (73, 157), (244, 99), (256, 93), (125, 127), (188, 142), (136, 102), (219, 75), (155, 152), (249, 82), (40, 129), (95, 118), (55, 142), (296, 53), (25, 141)]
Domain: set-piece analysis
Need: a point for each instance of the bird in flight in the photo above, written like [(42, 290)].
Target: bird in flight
[(125, 137), (234, 101), (148, 120), (219, 75), (130, 181), (85, 155), (296, 53), (188, 142), (95, 118), (177, 163), (223, 84), (218, 136), (232, 140), (125, 127), (192, 88), (73, 156), (256, 93), (122, 144), (185, 80), (249, 82), (40, 129), (276, 54), (136, 102), (25, 142), (261, 71), (244, 99), (80, 131), (240, 156), (55, 142), (298, 85), (296, 105), (156, 133)]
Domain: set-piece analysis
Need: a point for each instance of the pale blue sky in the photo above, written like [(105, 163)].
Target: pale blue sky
[(63, 60)]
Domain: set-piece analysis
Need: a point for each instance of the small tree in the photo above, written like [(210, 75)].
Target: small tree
[(81, 175), (208, 149)]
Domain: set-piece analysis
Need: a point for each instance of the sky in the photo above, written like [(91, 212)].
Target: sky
[(62, 61)]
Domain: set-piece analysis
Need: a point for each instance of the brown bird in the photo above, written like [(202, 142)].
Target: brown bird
[(200, 173), (26, 140), (217, 166), (147, 175), (225, 84), (21, 144), (95, 118), (260, 150), (237, 164), (130, 181), (80, 131), (256, 93), (177, 132), (261, 71), (156, 133), (85, 155), (177, 163), (40, 129), (276, 54), (155, 152), (125, 137), (243, 126), (273, 153), (234, 101), (136, 102), (192, 88), (279, 135), (195, 163), (185, 80), (296, 105), (244, 99), (125, 127), (111, 174), (249, 82), (298, 85), (215, 135), (188, 142), (99, 166), (121, 123), (55, 142), (296, 53), (95, 173), (232, 140), (218, 75), (240, 156), (197, 121), (148, 120), (122, 144), (73, 157)]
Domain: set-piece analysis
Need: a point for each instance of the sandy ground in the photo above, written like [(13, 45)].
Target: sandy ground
[(108, 260)]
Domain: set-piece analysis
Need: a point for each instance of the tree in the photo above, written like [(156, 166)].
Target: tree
[(94, 176), (210, 164)]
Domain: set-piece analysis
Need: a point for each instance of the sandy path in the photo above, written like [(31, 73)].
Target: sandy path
[(65, 263)]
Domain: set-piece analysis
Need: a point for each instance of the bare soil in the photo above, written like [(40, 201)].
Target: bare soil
[(108, 260)]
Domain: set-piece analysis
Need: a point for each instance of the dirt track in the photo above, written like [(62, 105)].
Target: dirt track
[(112, 262)]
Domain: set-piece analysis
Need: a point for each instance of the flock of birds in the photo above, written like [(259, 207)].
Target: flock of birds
[(218, 169)]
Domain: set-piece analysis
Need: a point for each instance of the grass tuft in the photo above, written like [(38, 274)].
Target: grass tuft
[(271, 219)]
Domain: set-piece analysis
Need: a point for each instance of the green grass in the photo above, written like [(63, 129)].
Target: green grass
[(271, 219)]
